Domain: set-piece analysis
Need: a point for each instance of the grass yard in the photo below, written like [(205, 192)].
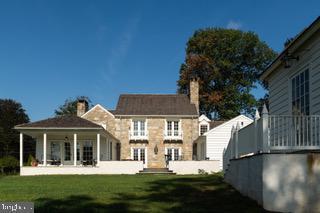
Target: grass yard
[(124, 193)]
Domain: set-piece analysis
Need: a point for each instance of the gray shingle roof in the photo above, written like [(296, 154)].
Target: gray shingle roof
[(61, 122), (151, 104), (214, 124)]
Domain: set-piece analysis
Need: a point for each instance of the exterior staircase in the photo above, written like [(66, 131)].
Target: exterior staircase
[(156, 171)]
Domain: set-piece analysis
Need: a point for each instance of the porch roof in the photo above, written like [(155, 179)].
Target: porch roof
[(61, 122)]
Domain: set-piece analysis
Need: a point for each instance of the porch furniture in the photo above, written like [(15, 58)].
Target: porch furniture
[(89, 162), (56, 162)]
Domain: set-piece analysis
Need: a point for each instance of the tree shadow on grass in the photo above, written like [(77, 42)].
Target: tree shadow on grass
[(79, 203), (178, 194), (192, 194)]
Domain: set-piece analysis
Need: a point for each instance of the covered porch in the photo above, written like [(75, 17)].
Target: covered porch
[(69, 141)]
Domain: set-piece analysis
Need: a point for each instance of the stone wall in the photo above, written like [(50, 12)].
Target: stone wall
[(99, 116), (119, 127), (156, 127)]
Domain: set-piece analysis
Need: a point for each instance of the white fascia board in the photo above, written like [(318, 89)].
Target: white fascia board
[(93, 108), (204, 117), (160, 116), (226, 123), (58, 128)]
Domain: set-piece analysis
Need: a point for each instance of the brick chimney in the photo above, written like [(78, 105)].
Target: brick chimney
[(194, 92), (82, 107)]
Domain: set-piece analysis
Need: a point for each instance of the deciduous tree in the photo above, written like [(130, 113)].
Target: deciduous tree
[(11, 114), (70, 106), (227, 63)]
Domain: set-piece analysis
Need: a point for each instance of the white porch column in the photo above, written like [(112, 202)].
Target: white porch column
[(44, 149), (98, 149), (75, 149), (21, 149)]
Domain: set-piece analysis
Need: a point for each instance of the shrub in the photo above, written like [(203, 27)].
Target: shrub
[(30, 159), (8, 164), (202, 172)]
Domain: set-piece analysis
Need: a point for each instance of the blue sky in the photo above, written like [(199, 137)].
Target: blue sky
[(52, 50)]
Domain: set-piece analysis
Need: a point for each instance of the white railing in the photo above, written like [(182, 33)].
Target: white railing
[(294, 132), (273, 133), (138, 135), (173, 135)]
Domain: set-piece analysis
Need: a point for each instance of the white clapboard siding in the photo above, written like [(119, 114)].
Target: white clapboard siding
[(280, 80), (315, 78), (218, 138), (278, 91)]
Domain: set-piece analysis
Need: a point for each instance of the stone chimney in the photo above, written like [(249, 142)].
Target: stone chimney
[(82, 107), (194, 92)]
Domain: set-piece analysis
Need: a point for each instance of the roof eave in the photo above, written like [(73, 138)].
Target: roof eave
[(293, 46), (58, 128), (123, 115)]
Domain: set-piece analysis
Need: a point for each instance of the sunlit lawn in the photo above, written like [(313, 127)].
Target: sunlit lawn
[(136, 193)]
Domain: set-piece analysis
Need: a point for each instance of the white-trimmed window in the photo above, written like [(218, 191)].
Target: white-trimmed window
[(87, 151), (139, 154), (173, 154), (173, 128), (67, 151), (138, 128), (203, 128), (55, 151), (300, 93)]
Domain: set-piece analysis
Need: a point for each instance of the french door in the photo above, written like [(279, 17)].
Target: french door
[(174, 154), (139, 154)]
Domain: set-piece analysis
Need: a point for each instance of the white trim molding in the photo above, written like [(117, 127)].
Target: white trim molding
[(172, 135), (93, 108), (138, 134)]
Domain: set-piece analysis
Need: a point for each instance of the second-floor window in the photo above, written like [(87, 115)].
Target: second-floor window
[(172, 128), (139, 128), (203, 129)]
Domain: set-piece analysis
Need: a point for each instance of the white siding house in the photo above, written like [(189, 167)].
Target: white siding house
[(211, 144), (303, 54), (276, 160)]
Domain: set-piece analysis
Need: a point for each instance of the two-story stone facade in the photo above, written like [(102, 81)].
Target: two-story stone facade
[(151, 127)]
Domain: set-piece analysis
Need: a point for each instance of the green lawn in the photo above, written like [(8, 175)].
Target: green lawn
[(136, 193)]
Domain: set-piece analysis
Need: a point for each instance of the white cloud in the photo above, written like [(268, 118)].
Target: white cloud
[(234, 25), (118, 53)]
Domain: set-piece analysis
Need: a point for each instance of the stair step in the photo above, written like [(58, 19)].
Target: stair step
[(156, 171)]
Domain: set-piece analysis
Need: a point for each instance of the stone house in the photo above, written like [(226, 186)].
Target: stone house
[(152, 131), (152, 126)]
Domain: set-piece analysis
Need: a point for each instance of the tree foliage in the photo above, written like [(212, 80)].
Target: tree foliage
[(11, 114), (70, 106), (227, 63)]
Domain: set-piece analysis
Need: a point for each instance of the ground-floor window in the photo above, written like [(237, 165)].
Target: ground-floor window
[(173, 153), (110, 150), (78, 151), (87, 151), (139, 154), (67, 151), (55, 151)]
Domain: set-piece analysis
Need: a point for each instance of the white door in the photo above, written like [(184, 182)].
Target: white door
[(139, 154)]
